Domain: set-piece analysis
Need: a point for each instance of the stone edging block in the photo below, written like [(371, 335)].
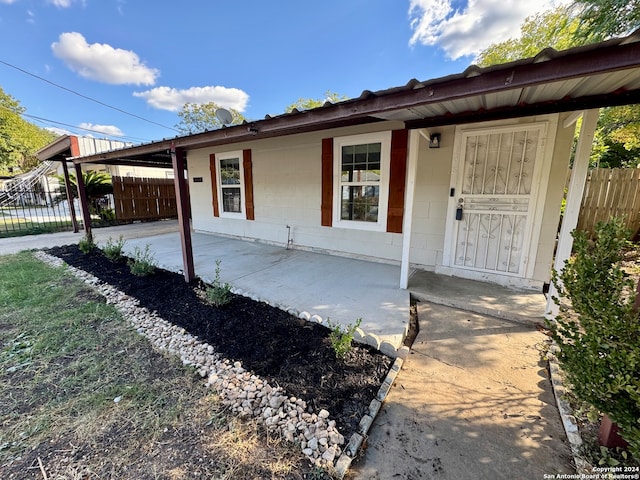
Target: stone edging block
[(344, 461)]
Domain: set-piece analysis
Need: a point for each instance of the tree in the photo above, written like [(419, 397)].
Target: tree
[(19, 139), (199, 117), (617, 138), (602, 19), (554, 28), (309, 103), (96, 185)]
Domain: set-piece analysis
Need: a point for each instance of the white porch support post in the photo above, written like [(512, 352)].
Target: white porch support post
[(574, 199), (407, 221)]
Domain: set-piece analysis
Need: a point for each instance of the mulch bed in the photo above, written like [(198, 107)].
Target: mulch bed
[(286, 351)]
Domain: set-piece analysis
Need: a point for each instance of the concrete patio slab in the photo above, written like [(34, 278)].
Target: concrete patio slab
[(331, 287), (523, 306)]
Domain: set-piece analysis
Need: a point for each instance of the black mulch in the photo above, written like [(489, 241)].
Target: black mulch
[(287, 351)]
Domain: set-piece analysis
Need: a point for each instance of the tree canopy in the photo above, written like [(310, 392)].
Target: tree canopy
[(196, 118), (617, 138), (554, 28), (602, 19), (309, 103), (19, 139)]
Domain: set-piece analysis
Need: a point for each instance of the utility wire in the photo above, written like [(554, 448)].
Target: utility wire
[(55, 122), (86, 97)]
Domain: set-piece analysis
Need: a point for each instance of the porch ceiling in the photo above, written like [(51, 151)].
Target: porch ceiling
[(592, 76)]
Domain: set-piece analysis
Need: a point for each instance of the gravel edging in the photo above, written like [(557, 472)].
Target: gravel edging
[(245, 393), (566, 414)]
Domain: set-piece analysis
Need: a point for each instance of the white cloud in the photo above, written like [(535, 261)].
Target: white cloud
[(106, 129), (8, 2), (172, 99), (61, 3), (468, 31), (59, 131), (102, 62)]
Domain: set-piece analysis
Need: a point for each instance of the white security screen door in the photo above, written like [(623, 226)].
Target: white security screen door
[(498, 177)]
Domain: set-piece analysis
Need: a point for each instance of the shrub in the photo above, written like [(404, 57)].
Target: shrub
[(218, 294), (142, 263), (599, 332), (341, 339), (86, 243), (113, 250)]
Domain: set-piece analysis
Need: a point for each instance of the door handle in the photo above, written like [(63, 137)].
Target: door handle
[(459, 209)]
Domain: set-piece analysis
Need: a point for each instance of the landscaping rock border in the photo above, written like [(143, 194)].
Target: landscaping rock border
[(245, 393)]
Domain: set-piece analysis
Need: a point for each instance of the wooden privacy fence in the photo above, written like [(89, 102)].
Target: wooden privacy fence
[(611, 192), (144, 198)]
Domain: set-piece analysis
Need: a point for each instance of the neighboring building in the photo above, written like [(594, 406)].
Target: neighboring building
[(462, 175), (68, 146)]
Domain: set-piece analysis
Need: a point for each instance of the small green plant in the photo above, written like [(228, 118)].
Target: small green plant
[(218, 294), (86, 243), (341, 338), (113, 250), (142, 263)]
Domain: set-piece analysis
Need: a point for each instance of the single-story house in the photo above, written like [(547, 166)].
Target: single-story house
[(462, 175)]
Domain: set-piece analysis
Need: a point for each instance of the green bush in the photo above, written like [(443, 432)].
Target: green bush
[(341, 339), (86, 244), (218, 294), (113, 250), (598, 331), (142, 263)]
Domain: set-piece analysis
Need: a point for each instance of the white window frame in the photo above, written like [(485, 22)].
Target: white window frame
[(384, 138), (219, 187)]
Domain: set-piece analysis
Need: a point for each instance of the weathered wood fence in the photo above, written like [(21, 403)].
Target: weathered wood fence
[(144, 198), (611, 192)]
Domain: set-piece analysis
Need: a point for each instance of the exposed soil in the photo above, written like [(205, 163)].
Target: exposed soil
[(286, 351)]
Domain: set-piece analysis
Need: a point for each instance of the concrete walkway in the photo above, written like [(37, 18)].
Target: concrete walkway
[(472, 401)]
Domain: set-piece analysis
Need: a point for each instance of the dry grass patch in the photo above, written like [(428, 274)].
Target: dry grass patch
[(83, 396)]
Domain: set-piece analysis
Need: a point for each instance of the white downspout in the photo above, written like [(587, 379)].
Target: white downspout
[(575, 192), (407, 221)]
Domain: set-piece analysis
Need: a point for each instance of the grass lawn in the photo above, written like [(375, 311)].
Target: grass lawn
[(82, 395)]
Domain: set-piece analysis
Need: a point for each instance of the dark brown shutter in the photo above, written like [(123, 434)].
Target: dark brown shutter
[(397, 179), (214, 184), (247, 166), (327, 182)]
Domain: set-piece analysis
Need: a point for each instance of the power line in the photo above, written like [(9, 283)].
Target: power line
[(55, 122), (86, 97)]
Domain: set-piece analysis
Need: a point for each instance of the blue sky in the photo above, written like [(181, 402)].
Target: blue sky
[(149, 58)]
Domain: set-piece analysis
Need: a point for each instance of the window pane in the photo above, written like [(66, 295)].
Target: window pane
[(231, 199), (230, 171), (360, 203), (361, 163)]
